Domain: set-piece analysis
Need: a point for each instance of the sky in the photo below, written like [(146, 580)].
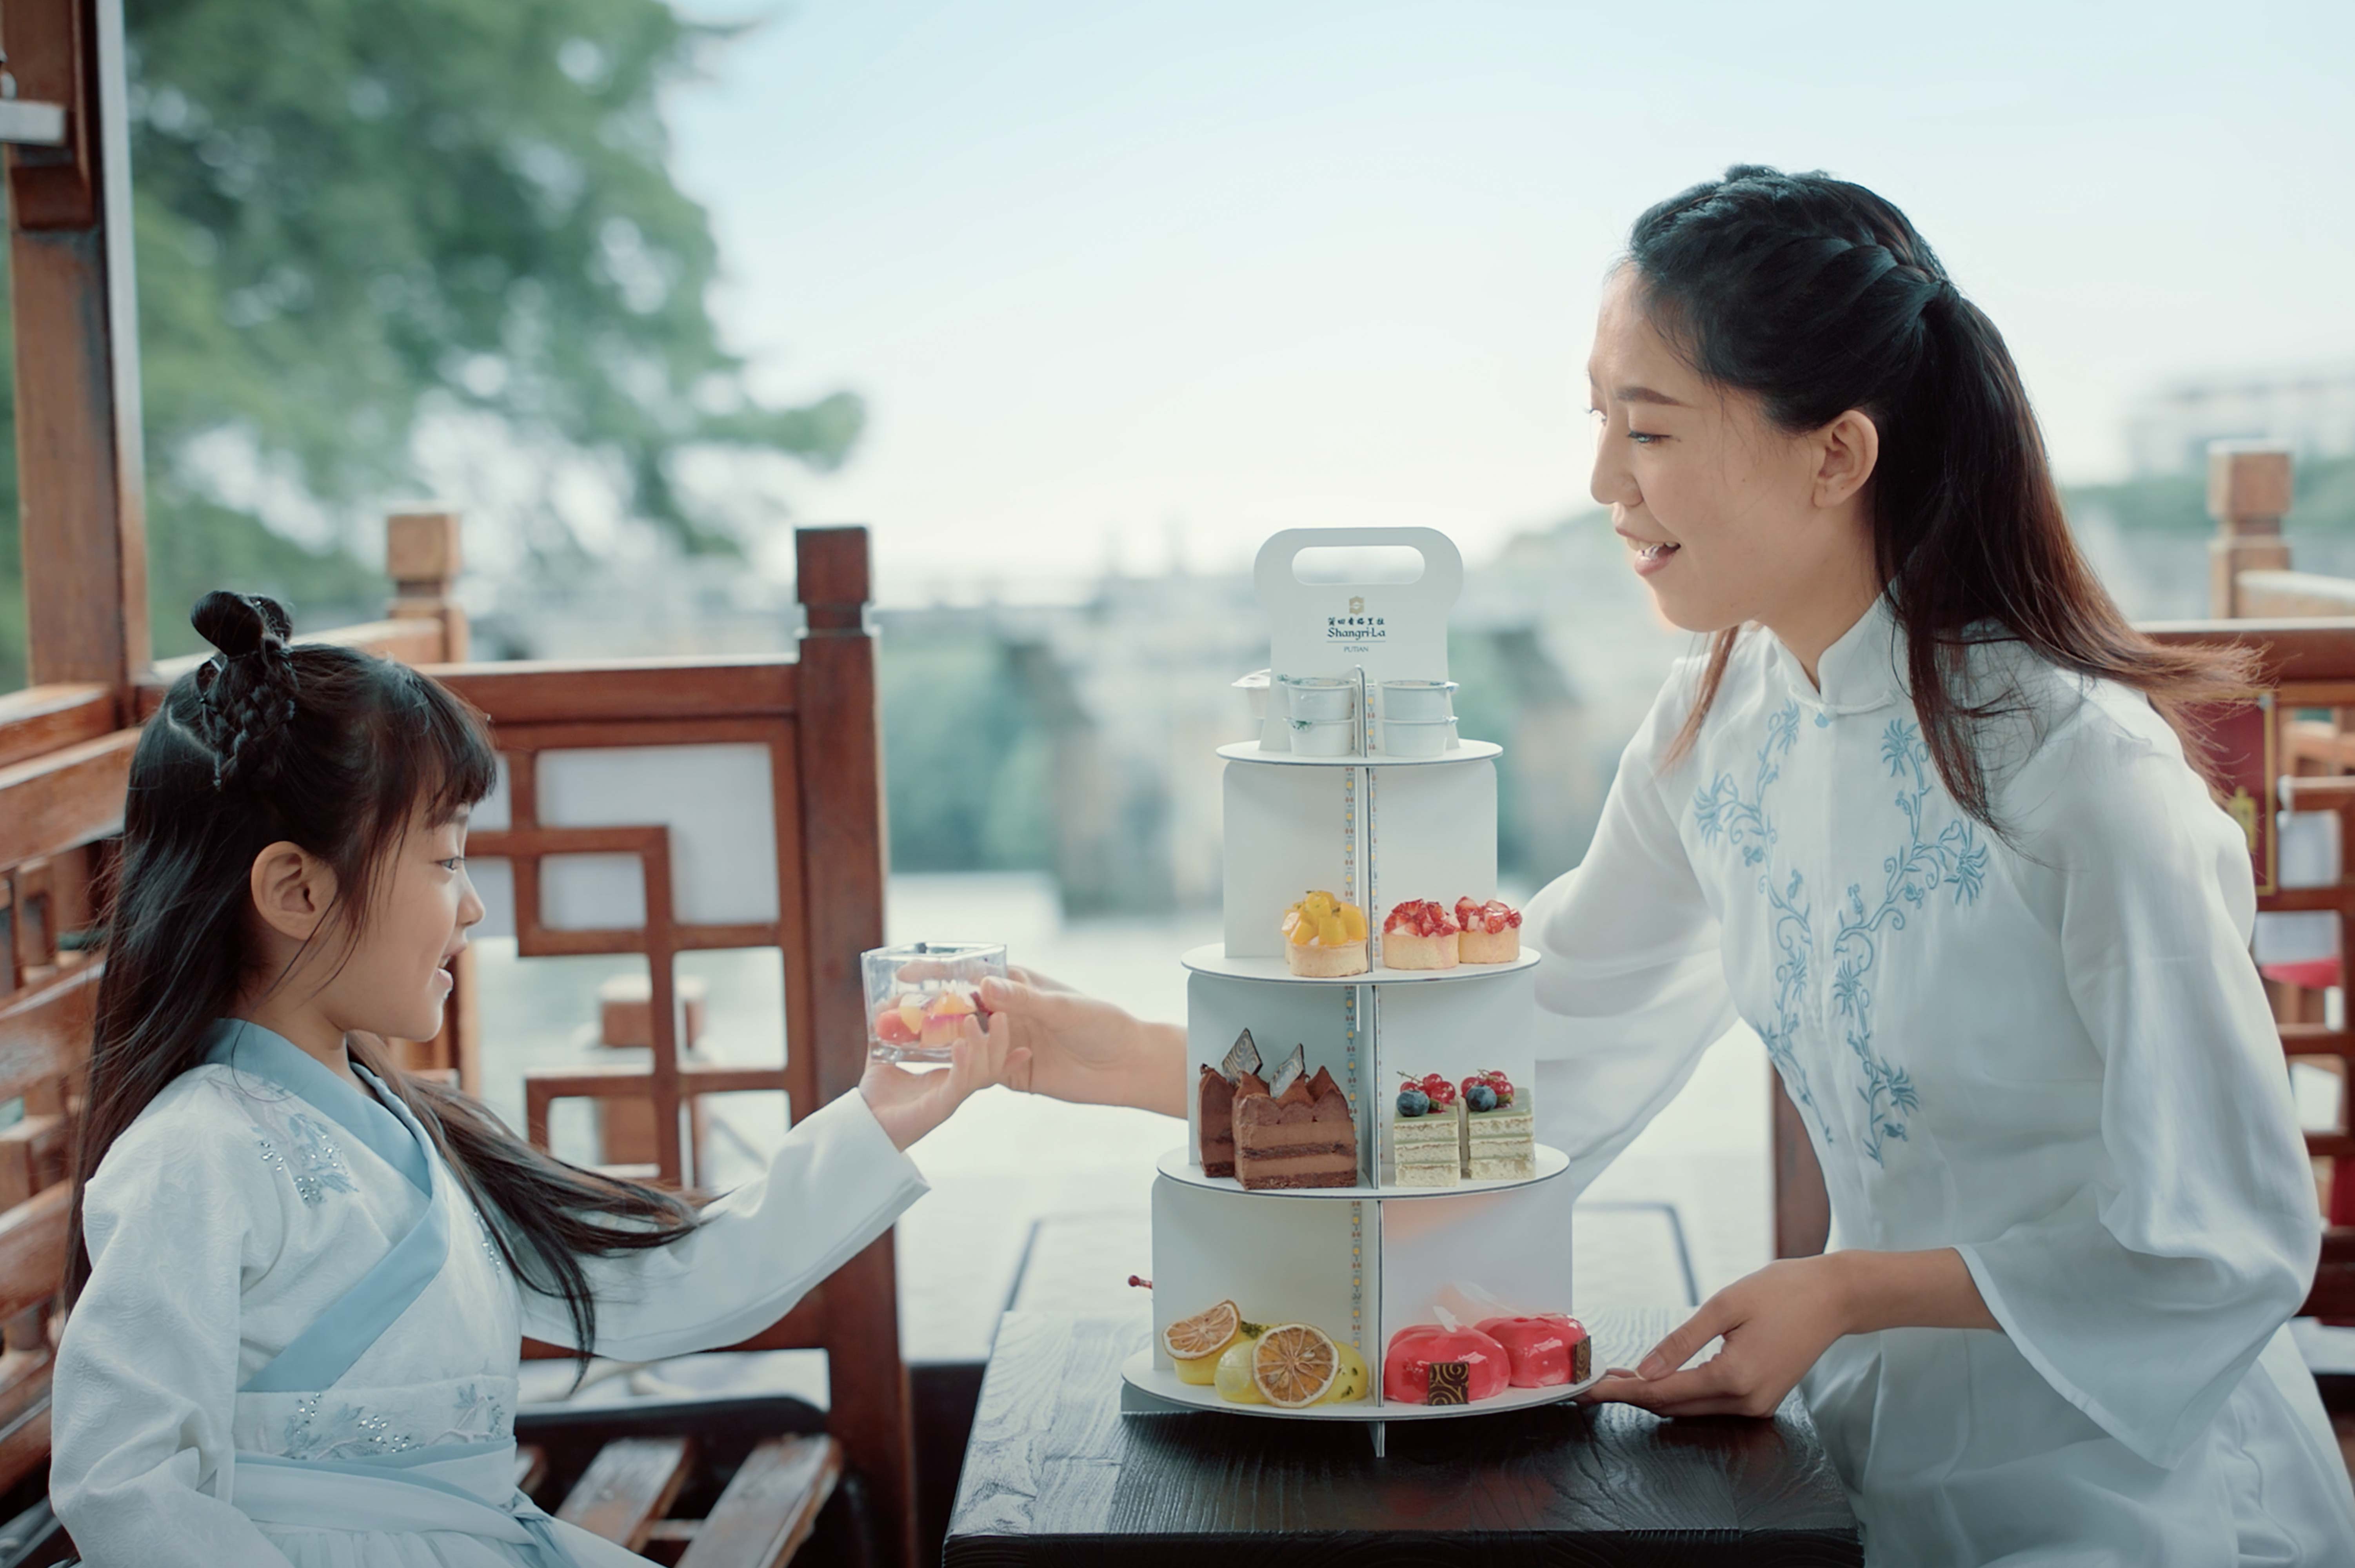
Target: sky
[(1134, 285)]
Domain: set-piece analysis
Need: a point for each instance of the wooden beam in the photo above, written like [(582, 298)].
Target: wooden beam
[(2315, 649), (554, 692), (78, 463), (33, 1249), (43, 718), (66, 798)]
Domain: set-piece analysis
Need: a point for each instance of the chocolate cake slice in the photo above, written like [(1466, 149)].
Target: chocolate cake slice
[(1305, 1137), (1214, 1139)]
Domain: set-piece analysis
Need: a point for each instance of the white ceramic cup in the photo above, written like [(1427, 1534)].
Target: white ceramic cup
[(1417, 702), (1324, 738), (1417, 737), (1254, 687), (1319, 697)]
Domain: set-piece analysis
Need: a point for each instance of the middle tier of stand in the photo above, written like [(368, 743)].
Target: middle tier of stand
[(1211, 959), (1179, 1165)]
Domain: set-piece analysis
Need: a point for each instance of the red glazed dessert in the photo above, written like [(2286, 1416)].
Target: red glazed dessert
[(1418, 934), (1492, 932), (1406, 1368), (1546, 1351)]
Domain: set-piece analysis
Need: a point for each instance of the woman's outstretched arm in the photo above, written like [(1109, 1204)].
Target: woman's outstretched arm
[(1075, 1047)]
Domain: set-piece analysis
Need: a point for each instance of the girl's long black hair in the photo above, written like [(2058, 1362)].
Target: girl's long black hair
[(337, 751), (1819, 297)]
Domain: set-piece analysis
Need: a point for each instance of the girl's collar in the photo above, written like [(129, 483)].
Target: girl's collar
[(244, 1047), (1862, 670)]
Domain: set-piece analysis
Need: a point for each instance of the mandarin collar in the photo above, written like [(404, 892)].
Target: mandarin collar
[(1864, 670)]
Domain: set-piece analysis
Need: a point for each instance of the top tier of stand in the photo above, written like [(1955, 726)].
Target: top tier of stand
[(1465, 751)]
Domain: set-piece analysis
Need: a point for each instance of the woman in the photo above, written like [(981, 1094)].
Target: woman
[(1921, 817)]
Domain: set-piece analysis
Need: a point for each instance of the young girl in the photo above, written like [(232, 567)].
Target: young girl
[(302, 1277), (1921, 817)]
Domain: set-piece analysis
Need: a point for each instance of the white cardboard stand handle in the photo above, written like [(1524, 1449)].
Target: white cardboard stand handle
[(1395, 631)]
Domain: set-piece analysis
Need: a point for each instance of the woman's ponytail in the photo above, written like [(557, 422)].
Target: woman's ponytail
[(1819, 297)]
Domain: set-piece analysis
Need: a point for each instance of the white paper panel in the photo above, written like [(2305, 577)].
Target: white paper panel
[(1514, 1245), (493, 882), (592, 891), (716, 799), (1280, 1260), (1279, 1017), (1455, 1030), (1435, 836), (1284, 828), (492, 811)]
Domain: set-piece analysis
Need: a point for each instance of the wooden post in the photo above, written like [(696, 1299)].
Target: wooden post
[(2249, 490), (838, 743), (77, 345), (423, 557)]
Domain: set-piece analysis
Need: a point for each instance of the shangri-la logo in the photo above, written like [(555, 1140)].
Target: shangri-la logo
[(1357, 627), (1356, 604)]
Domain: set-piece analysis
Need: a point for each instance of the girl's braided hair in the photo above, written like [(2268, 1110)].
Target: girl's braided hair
[(246, 693)]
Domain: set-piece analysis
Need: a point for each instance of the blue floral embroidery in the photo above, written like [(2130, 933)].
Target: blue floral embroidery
[(1719, 809), (316, 1166), (1954, 860)]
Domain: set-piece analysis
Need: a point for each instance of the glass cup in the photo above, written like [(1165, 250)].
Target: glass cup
[(918, 996)]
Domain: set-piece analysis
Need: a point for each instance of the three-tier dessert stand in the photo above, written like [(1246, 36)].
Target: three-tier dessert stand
[(1360, 1262)]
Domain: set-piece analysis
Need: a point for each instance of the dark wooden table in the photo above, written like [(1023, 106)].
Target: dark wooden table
[(1056, 1473)]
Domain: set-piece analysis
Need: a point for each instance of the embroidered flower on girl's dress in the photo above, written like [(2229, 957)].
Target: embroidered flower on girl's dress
[(314, 1164), (318, 1430)]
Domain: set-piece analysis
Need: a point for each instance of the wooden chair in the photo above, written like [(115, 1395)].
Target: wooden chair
[(751, 1475)]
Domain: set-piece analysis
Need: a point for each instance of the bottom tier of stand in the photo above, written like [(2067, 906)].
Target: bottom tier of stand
[(1163, 1383)]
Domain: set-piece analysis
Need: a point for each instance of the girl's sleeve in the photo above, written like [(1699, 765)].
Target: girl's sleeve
[(179, 1213), (1632, 986), (836, 1184), (2144, 1297)]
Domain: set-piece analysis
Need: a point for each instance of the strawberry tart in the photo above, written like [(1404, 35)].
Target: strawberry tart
[(1492, 932), (1418, 934)]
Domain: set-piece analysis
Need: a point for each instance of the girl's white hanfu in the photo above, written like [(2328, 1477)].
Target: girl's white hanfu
[(298, 1344), (2052, 1054)]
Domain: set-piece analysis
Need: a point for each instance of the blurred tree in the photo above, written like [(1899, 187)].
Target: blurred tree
[(351, 216)]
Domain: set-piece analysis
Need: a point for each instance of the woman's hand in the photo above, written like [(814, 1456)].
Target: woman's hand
[(910, 1105), (1775, 1323), (1077, 1047)]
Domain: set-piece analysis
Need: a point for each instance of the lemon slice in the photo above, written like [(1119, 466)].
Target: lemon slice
[(1292, 1364), (1203, 1334)]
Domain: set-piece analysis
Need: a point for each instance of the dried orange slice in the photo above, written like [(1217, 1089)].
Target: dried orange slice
[(1203, 1334), (1292, 1364)]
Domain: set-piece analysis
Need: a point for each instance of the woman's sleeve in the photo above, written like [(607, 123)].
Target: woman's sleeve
[(1632, 985), (2143, 1298), (146, 1387), (836, 1184)]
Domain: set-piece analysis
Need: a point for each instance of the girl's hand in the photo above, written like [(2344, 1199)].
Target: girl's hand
[(1775, 1323), (1077, 1047), (910, 1105)]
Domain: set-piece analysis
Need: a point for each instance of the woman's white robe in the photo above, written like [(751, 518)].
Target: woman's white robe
[(298, 1345), (2054, 1056)]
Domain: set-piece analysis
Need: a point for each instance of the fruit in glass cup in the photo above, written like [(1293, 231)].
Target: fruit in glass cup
[(928, 1018)]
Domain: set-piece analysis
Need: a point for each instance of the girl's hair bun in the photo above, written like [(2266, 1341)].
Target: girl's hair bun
[(245, 692), (237, 623)]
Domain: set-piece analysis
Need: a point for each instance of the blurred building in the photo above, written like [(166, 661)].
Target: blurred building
[(2168, 432)]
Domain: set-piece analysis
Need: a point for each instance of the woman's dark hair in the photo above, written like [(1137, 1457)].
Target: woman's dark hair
[(1819, 297), (338, 752)]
